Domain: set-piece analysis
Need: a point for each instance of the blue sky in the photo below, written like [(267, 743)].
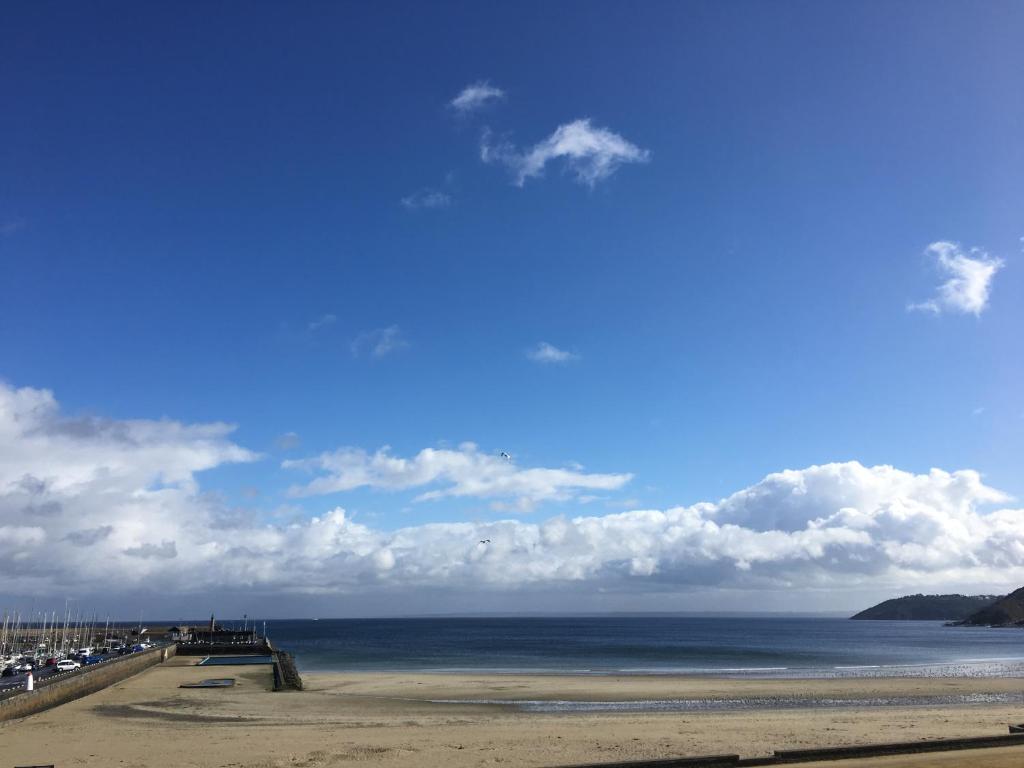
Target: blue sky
[(216, 213)]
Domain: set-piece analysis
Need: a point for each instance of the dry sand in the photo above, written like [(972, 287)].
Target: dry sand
[(388, 720)]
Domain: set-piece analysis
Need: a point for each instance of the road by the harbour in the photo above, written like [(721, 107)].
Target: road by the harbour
[(17, 682)]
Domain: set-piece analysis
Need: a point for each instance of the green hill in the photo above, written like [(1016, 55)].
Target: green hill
[(1006, 612), (930, 607)]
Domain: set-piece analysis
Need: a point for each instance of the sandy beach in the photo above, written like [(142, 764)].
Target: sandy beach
[(396, 720)]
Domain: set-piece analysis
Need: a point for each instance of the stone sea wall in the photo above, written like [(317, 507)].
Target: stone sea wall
[(286, 674), (81, 682)]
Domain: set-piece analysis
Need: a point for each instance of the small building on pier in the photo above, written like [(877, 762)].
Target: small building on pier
[(214, 634)]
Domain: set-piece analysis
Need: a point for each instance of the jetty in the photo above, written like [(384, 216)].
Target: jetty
[(215, 641)]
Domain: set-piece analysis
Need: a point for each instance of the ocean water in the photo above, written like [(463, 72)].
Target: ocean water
[(651, 645), (230, 661)]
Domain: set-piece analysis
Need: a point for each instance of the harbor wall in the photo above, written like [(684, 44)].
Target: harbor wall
[(74, 685)]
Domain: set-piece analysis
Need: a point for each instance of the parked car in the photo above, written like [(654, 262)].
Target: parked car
[(9, 671), (66, 665)]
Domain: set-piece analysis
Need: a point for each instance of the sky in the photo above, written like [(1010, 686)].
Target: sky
[(378, 309)]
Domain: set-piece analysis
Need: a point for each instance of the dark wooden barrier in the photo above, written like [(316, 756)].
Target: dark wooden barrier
[(790, 756), (896, 748), (706, 761)]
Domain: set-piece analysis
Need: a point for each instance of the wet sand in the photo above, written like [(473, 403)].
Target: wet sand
[(394, 720)]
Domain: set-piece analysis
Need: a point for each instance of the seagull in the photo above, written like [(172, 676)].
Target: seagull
[(506, 456), (485, 541)]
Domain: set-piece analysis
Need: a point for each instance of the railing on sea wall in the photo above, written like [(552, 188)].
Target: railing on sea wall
[(215, 649)]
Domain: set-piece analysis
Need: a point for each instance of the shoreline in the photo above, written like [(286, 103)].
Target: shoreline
[(507, 688), (999, 667)]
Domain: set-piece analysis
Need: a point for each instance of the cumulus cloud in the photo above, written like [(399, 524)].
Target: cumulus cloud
[(475, 96), (128, 512), (549, 353), (591, 153), (460, 473), (969, 280), (44, 455), (379, 342), (81, 498)]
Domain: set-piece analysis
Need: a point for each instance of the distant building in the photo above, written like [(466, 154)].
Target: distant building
[(212, 634)]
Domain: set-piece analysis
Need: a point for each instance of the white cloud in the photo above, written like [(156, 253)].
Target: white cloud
[(549, 353), (105, 506), (84, 497), (460, 473), (593, 154), (475, 96), (970, 279), (427, 198), (10, 227), (379, 342), (322, 322), (118, 454), (288, 441)]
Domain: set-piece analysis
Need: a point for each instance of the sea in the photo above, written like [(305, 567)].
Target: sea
[(726, 646)]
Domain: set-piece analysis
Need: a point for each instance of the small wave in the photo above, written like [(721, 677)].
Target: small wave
[(499, 671), (859, 666), (697, 670), (718, 705)]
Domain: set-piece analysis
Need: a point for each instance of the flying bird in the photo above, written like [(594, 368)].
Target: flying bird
[(485, 541), (506, 456)]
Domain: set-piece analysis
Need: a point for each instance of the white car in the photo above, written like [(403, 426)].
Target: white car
[(66, 665)]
